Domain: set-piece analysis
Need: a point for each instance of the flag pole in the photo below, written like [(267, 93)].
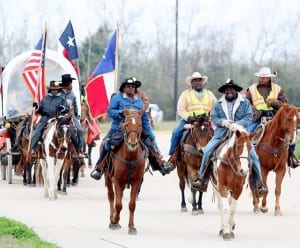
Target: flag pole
[(38, 85), (116, 57)]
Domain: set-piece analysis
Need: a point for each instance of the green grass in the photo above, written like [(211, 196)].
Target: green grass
[(14, 234)]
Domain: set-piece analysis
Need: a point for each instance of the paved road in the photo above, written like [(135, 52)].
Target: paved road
[(81, 218)]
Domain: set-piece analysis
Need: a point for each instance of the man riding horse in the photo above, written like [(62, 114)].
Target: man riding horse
[(266, 98), (194, 101), (231, 109), (128, 99), (48, 108)]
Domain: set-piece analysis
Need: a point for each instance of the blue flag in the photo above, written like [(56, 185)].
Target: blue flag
[(67, 39)]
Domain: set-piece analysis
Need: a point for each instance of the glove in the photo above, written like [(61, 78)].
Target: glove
[(121, 114), (233, 127), (226, 123), (61, 108), (35, 105), (191, 119)]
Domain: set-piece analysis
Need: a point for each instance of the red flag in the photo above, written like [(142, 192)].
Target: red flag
[(34, 71), (101, 82)]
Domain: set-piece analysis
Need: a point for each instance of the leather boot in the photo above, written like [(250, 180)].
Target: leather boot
[(293, 160), (200, 184), (100, 166), (261, 191), (174, 156)]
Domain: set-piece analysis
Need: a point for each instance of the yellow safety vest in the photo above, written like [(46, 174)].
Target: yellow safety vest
[(197, 105), (258, 100)]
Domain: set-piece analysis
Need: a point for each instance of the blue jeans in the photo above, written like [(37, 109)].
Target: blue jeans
[(176, 136), (253, 126)]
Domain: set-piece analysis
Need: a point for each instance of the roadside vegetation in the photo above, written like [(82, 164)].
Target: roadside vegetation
[(14, 234)]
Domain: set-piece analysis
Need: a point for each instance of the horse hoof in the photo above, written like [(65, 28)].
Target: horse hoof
[(228, 236), (82, 175), (64, 193), (221, 233), (184, 209), (264, 209), (132, 231), (256, 210), (278, 213), (114, 226)]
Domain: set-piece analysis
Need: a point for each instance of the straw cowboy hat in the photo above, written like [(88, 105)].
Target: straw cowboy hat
[(229, 84), (196, 75), (265, 72), (131, 80), (54, 85)]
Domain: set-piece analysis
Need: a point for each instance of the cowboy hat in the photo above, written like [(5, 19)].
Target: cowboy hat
[(196, 74), (229, 84), (131, 80), (54, 85), (66, 79), (265, 72)]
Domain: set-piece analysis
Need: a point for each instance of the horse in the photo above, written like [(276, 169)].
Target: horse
[(189, 159), (22, 141), (272, 149), (126, 169), (55, 146), (230, 168), (91, 130)]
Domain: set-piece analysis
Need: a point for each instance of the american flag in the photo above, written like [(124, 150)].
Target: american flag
[(34, 71)]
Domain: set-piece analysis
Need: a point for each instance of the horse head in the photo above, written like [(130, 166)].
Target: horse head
[(62, 133), (285, 123), (201, 131), (237, 151), (132, 128)]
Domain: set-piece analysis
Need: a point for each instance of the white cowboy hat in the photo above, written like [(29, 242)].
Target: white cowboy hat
[(189, 79), (265, 72)]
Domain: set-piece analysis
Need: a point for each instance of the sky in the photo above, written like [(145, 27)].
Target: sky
[(242, 19)]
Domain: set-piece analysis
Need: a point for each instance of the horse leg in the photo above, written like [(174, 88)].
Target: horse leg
[(111, 199), (194, 203), (180, 173), (118, 203), (132, 205), (278, 180), (139, 190), (45, 175), (59, 182), (89, 156), (264, 208), (76, 167), (199, 203)]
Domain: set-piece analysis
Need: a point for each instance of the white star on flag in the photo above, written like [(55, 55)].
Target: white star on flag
[(70, 41)]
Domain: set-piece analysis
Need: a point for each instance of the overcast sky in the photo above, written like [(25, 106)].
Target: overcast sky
[(243, 18)]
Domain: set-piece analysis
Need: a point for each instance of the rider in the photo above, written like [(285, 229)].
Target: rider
[(127, 98), (67, 93), (266, 98), (48, 108), (195, 100), (231, 109)]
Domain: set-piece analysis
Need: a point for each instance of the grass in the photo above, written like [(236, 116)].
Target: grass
[(14, 234)]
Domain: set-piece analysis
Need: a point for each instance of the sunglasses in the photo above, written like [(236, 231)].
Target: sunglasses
[(129, 86)]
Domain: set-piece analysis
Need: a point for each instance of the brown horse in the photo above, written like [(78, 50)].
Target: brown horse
[(280, 132), (230, 169), (127, 169), (190, 157)]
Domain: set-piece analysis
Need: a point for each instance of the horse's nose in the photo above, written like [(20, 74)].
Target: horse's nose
[(63, 149)]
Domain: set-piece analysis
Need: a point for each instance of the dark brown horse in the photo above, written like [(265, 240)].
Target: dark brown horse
[(190, 157), (126, 170), (280, 132), (231, 166)]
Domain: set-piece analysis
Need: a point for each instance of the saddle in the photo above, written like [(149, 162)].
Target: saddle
[(259, 131)]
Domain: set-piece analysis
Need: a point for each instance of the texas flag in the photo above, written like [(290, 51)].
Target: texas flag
[(67, 39), (101, 83)]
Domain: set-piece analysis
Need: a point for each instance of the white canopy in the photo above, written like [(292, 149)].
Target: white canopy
[(17, 100)]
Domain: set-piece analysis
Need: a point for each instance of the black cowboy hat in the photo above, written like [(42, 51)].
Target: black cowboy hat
[(66, 79), (229, 83), (131, 80), (54, 85)]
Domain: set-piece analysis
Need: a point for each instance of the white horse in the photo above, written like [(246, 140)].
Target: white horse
[(56, 144)]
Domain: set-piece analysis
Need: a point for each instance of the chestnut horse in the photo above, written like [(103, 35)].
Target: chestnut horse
[(230, 169), (279, 133), (190, 157), (126, 170)]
